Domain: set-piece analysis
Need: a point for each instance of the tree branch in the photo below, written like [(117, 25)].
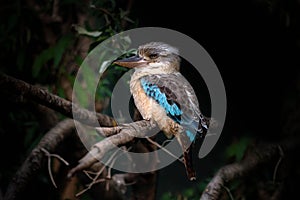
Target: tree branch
[(11, 85), (115, 135), (260, 155), (126, 133), (33, 163)]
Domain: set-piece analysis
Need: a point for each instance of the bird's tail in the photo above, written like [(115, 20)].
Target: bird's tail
[(188, 162), (187, 155)]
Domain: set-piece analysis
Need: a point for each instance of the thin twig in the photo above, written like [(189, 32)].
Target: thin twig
[(110, 167), (113, 162), (50, 172), (55, 11), (82, 191), (163, 148), (34, 161), (228, 192), (92, 183), (55, 8), (87, 173), (94, 180), (56, 156), (101, 180), (165, 142), (49, 155), (281, 153), (127, 133)]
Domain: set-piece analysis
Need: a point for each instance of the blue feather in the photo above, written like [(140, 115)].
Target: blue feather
[(153, 91), (190, 135), (173, 110)]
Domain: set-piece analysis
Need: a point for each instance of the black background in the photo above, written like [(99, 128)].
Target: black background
[(254, 46)]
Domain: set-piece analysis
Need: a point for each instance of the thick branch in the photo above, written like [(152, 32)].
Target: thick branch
[(126, 134), (262, 154), (33, 163), (11, 85)]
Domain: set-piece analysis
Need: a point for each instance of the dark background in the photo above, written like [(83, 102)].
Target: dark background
[(254, 43), (250, 42)]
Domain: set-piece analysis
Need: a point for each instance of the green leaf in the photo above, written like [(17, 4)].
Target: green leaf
[(60, 48), (54, 53), (128, 19), (189, 192), (78, 60), (82, 31), (41, 60), (88, 77), (237, 149), (82, 97), (61, 92), (167, 196)]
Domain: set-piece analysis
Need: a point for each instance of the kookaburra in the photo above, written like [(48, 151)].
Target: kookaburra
[(163, 95)]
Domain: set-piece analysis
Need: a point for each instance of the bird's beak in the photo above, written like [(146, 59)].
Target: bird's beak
[(130, 62)]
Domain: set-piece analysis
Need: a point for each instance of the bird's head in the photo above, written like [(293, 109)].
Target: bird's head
[(153, 56)]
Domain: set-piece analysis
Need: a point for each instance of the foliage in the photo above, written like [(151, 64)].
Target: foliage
[(36, 49), (40, 44), (187, 193), (237, 149), (53, 53)]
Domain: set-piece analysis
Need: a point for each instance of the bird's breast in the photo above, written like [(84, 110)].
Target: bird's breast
[(145, 104), (151, 110)]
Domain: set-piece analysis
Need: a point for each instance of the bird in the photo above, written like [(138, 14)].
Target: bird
[(163, 95)]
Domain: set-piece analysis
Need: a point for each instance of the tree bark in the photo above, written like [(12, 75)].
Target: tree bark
[(11, 85), (34, 161), (259, 155)]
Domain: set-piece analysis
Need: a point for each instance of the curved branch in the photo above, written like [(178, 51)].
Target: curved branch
[(33, 163), (262, 154), (126, 133), (11, 85)]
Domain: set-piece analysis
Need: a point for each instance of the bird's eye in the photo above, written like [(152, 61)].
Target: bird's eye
[(153, 55)]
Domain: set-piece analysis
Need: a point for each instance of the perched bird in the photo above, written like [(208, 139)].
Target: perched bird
[(162, 94)]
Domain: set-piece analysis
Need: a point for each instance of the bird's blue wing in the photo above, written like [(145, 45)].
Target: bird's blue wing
[(174, 93), (176, 96), (163, 97)]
